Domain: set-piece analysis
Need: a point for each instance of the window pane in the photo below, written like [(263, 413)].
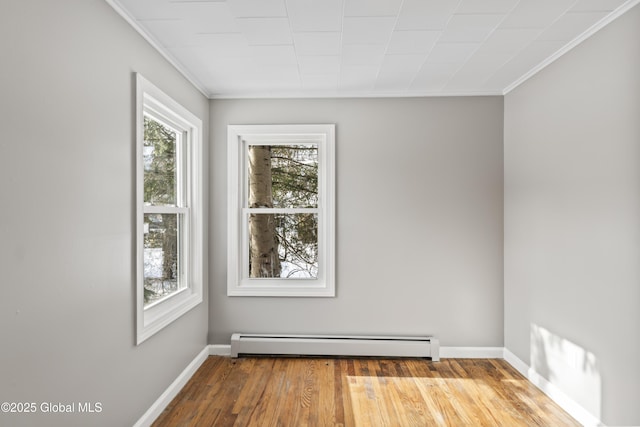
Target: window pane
[(283, 176), (159, 157), (162, 260), (283, 246)]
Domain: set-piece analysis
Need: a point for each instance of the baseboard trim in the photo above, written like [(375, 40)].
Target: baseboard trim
[(165, 398), (471, 352), (574, 409)]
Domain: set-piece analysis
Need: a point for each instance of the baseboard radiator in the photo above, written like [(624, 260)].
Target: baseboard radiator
[(335, 345)]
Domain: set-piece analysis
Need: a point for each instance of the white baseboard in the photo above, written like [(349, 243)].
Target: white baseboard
[(581, 415), (471, 352), (165, 398)]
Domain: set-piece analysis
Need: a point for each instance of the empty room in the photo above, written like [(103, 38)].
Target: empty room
[(320, 212)]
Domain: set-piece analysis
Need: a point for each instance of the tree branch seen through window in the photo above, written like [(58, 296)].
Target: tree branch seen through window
[(283, 245)]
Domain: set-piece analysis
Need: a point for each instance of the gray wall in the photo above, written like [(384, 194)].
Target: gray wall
[(66, 224), (572, 221), (419, 220)]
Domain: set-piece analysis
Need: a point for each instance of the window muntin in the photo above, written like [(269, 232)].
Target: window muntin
[(169, 210), (281, 210)]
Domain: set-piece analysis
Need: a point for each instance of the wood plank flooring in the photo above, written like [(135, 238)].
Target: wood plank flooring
[(369, 392)]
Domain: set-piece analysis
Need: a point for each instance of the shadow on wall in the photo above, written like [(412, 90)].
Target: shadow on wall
[(567, 366)]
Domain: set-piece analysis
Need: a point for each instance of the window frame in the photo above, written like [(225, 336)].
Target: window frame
[(153, 102), (238, 138)]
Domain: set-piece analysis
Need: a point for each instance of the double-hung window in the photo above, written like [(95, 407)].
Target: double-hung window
[(281, 210), (169, 210)]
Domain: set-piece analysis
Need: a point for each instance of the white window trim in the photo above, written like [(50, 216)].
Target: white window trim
[(238, 284), (154, 317)]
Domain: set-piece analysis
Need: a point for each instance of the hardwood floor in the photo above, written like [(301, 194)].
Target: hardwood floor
[(267, 391)]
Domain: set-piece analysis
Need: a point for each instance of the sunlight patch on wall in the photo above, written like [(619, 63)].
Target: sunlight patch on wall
[(568, 366)]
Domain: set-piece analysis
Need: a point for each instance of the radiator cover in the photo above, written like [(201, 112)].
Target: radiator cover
[(335, 345)]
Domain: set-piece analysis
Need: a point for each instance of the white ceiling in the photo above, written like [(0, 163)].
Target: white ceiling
[(280, 48)]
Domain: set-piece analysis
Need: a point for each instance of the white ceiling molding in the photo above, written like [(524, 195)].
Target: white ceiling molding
[(324, 94), (575, 42), (115, 4)]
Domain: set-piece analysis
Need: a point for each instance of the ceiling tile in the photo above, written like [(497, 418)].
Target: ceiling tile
[(507, 42), (401, 64), (465, 82), (499, 49), (358, 77), (193, 58), (536, 13), (374, 30), (475, 72), (224, 45), (525, 60), (452, 52), (238, 66), (274, 73), (569, 25), (398, 71), (266, 31), (498, 7), (219, 71), (433, 76), (394, 87), (412, 41), (206, 17), (315, 15), (470, 28), (320, 81), (372, 7), (319, 64), (257, 8), (425, 15), (362, 47), (171, 33), (150, 9), (317, 43), (274, 55), (596, 5), (369, 54)]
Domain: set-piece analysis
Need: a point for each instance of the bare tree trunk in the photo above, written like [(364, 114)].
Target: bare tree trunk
[(263, 247)]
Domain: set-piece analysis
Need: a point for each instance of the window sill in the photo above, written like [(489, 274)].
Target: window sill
[(162, 313)]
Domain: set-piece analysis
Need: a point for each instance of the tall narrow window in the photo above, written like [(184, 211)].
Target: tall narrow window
[(170, 219), (281, 235)]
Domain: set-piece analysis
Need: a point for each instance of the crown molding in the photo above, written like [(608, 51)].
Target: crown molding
[(115, 4), (624, 8), (339, 95)]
